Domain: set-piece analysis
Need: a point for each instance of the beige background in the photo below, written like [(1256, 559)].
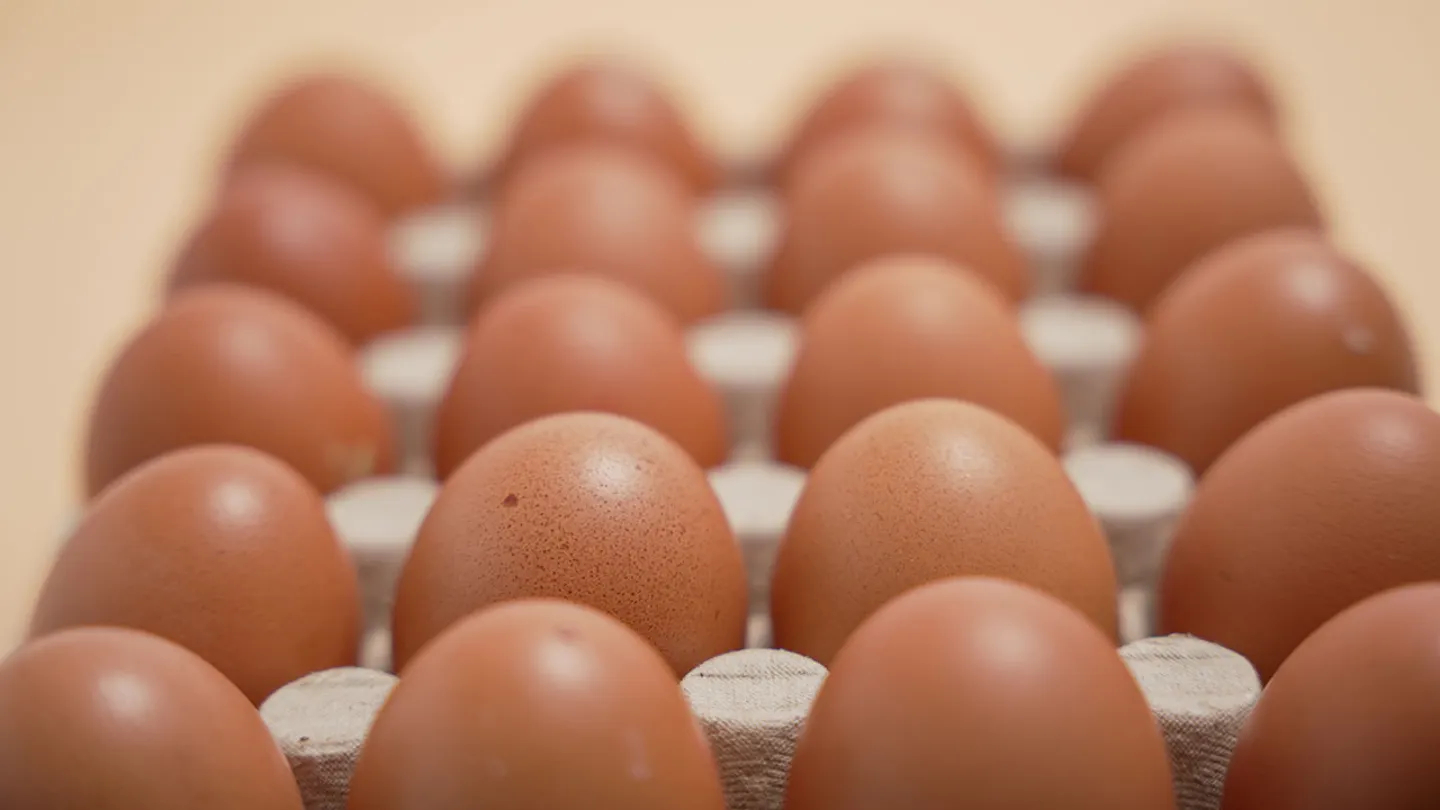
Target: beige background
[(112, 113)]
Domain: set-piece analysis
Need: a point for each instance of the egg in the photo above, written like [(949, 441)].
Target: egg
[(894, 91), (1183, 187), (610, 101), (105, 717), (1325, 503), (1180, 76), (1352, 719), (1284, 299), (222, 549), (306, 237), (536, 703), (594, 508), (880, 190), (349, 129), (576, 343), (603, 211), (229, 364), (908, 327), (979, 693), (923, 491)]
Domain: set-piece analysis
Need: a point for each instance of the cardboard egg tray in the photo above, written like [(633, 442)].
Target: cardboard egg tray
[(752, 703)]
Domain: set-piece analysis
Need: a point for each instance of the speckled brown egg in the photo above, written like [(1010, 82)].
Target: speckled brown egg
[(1177, 77), (602, 211), (300, 234), (592, 508), (222, 549), (894, 91), (105, 717), (614, 102), (533, 704), (923, 491), (1328, 502), (229, 364), (350, 129), (979, 693), (1182, 188), (909, 327), (576, 343), (1260, 324), (882, 190), (1352, 719)]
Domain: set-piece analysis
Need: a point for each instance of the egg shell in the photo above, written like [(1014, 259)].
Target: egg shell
[(1326, 503), (979, 693), (881, 190), (602, 211), (510, 698), (223, 363), (594, 508), (106, 717), (1177, 77), (909, 327), (923, 491), (1352, 719), (1185, 186), (613, 102), (348, 128), (306, 237), (576, 343), (1215, 343)]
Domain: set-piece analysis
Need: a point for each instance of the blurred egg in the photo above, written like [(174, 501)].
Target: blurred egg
[(536, 704), (602, 211), (896, 91), (979, 693), (1183, 187), (1257, 325), (300, 234), (923, 491), (612, 102), (909, 327), (350, 129), (228, 364), (880, 190), (593, 508), (1178, 77), (1318, 507), (219, 548), (104, 717), (1352, 719), (576, 343)]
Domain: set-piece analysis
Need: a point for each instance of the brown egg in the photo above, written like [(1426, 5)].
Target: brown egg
[(110, 718), (1217, 341), (880, 190), (1322, 505), (1352, 719), (535, 704), (219, 548), (352, 130), (237, 365), (923, 491), (612, 102), (897, 91), (909, 327), (302, 235), (1179, 77), (601, 211), (576, 343), (589, 507), (1182, 188), (979, 693)]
